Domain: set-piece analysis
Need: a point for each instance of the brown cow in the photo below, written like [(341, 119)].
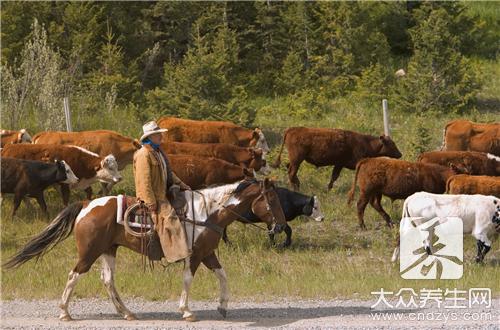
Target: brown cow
[(195, 131), (337, 147), (201, 172), (89, 167), (244, 157), (471, 185), (396, 179), (12, 137), (464, 135), (477, 163), (101, 142)]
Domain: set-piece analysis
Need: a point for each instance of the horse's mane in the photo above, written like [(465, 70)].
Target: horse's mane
[(244, 184)]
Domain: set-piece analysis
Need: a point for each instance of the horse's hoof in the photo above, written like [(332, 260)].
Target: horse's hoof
[(222, 311), (190, 318), (130, 317), (65, 317)]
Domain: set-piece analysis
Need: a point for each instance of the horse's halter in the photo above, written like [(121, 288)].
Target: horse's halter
[(263, 194)]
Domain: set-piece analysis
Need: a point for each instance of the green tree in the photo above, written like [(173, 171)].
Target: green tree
[(200, 87), (439, 78)]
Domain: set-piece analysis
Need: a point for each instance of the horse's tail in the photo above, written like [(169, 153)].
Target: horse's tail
[(277, 163), (57, 231), (353, 187)]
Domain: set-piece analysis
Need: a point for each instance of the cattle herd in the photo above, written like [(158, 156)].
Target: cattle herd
[(207, 153)]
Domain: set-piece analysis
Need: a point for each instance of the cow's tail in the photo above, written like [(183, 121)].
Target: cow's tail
[(57, 231), (277, 163), (443, 145), (353, 187), (448, 184)]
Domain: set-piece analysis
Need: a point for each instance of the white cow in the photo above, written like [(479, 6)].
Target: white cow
[(480, 216)]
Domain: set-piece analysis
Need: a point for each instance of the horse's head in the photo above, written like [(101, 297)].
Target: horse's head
[(267, 206)]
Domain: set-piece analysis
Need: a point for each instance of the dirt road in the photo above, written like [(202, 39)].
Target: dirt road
[(100, 314)]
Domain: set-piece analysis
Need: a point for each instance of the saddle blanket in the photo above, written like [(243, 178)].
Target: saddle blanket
[(122, 203)]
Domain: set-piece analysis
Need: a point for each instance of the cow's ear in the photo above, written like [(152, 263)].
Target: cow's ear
[(137, 144), (255, 134), (383, 138)]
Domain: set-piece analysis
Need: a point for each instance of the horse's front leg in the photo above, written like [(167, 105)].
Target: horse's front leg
[(187, 278), (213, 264)]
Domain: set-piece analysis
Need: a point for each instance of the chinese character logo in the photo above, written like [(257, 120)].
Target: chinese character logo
[(431, 249)]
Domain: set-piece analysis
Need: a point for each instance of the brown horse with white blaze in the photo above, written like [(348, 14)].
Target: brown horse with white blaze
[(98, 234)]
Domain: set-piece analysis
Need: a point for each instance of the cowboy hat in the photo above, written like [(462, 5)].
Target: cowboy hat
[(151, 128)]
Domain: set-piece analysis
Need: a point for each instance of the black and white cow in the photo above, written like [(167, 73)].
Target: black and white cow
[(294, 204), (30, 178)]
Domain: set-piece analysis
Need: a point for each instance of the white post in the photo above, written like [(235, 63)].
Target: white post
[(67, 114), (385, 108)]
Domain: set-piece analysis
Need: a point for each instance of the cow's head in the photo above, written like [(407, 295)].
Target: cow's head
[(459, 168), (64, 173), (257, 162), (495, 163), (259, 141), (388, 148), (24, 137), (107, 171), (313, 209)]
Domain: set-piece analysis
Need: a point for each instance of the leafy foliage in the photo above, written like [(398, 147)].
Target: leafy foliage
[(206, 60)]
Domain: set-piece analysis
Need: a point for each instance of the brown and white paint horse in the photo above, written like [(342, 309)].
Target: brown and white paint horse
[(98, 234)]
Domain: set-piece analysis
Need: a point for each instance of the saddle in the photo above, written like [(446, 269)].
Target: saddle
[(140, 222)]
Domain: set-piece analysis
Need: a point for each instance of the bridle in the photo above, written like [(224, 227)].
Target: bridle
[(263, 194)]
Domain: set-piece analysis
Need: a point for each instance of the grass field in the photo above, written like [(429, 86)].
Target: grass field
[(327, 260)]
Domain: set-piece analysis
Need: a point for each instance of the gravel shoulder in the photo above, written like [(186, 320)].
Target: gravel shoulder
[(100, 314)]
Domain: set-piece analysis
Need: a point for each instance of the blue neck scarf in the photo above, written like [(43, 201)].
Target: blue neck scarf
[(154, 145)]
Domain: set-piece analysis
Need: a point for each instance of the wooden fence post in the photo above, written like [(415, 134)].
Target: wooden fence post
[(385, 109), (67, 114)]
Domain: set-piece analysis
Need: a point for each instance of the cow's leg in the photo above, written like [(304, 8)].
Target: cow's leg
[(213, 264), (191, 265), (65, 193), (106, 188), (41, 201), (288, 232), (361, 206), (88, 191), (375, 202), (271, 236), (335, 175), (224, 237), (18, 197), (293, 169), (482, 249), (107, 276)]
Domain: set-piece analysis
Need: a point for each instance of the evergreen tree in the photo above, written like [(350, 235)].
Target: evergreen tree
[(439, 78)]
